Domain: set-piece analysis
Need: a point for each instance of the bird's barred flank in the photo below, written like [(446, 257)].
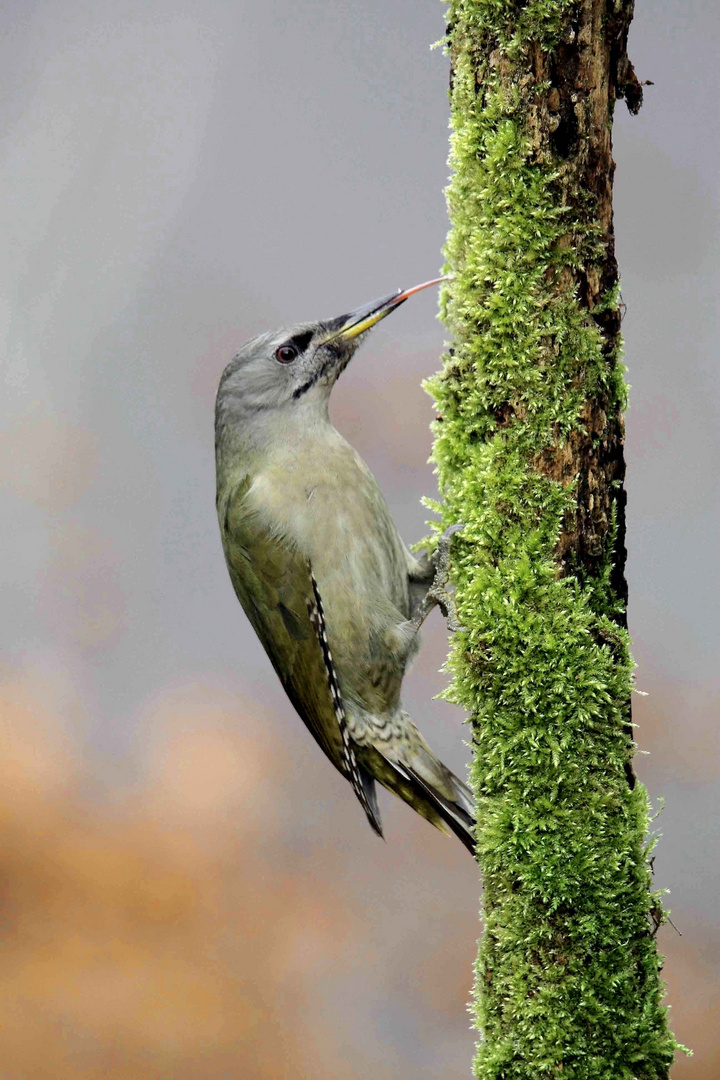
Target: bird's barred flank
[(317, 618)]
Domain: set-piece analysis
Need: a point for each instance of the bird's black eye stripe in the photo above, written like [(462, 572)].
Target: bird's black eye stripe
[(302, 340), (292, 348)]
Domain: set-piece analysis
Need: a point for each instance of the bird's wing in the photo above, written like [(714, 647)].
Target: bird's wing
[(273, 583), (276, 586)]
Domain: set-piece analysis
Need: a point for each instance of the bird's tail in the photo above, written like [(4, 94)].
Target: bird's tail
[(420, 779), (455, 809)]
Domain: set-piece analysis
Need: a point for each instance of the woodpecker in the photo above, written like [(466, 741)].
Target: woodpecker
[(333, 593)]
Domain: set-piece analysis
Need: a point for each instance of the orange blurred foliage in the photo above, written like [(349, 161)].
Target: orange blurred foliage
[(165, 935), (129, 937)]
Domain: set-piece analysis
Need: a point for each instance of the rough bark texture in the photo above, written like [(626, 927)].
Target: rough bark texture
[(570, 121), (529, 448)]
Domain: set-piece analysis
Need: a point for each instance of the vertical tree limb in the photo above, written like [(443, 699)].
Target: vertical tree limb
[(529, 449)]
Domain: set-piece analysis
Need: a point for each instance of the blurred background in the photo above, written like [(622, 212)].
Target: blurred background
[(188, 888)]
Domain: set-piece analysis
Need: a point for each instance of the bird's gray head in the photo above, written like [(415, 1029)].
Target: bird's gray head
[(294, 370)]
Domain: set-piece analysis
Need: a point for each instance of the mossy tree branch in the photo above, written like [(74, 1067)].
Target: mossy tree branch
[(529, 451)]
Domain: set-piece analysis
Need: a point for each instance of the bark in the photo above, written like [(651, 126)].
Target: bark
[(570, 121), (529, 448)]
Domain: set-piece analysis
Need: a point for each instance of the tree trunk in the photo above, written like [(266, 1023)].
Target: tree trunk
[(529, 449)]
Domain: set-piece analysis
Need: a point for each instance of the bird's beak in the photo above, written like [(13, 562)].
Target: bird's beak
[(357, 322)]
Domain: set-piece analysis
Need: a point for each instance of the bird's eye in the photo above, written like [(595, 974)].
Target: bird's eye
[(286, 354)]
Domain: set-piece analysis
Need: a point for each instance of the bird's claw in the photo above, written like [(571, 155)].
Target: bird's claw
[(446, 603), (438, 593), (441, 555)]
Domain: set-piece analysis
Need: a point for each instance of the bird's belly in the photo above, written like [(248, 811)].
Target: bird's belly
[(360, 566), (364, 593), (358, 558), (341, 523)]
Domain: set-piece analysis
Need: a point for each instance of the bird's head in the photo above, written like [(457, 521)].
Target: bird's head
[(297, 367)]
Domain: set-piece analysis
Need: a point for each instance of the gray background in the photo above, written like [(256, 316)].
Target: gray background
[(180, 176)]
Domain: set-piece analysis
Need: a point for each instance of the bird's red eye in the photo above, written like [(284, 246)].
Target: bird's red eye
[(286, 354)]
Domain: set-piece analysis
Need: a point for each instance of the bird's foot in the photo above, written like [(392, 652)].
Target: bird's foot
[(438, 593)]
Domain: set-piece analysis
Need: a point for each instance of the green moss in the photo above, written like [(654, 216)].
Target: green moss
[(567, 973), (510, 23)]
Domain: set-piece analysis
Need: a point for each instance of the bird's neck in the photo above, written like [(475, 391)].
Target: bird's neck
[(251, 443)]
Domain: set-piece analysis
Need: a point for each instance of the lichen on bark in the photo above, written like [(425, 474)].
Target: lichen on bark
[(529, 453)]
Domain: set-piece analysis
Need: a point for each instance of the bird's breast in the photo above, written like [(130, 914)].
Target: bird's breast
[(327, 504)]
